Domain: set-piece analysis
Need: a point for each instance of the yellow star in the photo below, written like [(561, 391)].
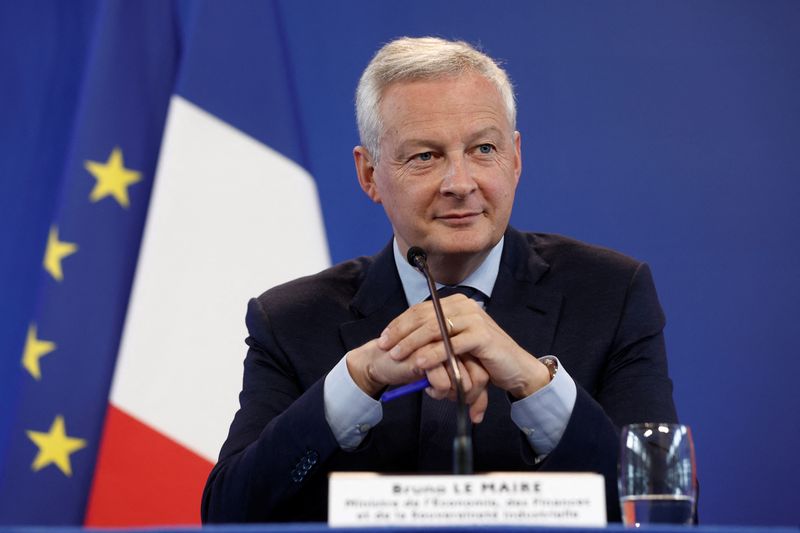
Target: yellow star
[(35, 349), (55, 447), (112, 178), (55, 252)]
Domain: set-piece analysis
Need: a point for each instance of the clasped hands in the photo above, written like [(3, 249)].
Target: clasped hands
[(411, 346)]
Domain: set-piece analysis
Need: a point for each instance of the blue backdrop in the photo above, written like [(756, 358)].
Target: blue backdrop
[(670, 131)]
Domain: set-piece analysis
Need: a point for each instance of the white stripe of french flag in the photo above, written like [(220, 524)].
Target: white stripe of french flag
[(221, 206)]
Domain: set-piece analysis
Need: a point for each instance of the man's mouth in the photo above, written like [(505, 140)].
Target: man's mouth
[(459, 217)]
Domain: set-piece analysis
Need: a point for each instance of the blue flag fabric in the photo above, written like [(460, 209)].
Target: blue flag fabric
[(230, 61), (89, 260)]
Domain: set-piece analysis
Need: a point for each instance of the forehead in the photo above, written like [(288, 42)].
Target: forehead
[(442, 103)]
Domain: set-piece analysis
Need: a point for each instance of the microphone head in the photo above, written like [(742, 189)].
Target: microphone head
[(416, 255)]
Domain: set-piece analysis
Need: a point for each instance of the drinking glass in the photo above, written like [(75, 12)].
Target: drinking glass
[(657, 477)]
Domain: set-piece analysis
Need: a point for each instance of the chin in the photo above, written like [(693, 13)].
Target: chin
[(461, 245)]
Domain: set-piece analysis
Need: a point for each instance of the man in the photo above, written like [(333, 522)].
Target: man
[(441, 154)]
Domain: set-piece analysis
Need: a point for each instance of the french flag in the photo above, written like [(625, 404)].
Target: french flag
[(229, 217), (184, 195)]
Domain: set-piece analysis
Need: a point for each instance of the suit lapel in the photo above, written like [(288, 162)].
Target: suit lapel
[(529, 314), (378, 301), (520, 306)]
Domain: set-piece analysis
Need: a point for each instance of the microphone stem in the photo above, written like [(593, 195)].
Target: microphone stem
[(462, 443)]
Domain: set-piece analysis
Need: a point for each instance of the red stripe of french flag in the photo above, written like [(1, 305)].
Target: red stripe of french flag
[(144, 478)]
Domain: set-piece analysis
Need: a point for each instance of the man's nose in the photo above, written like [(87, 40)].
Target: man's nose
[(458, 180)]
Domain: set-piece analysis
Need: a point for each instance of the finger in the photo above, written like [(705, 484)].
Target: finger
[(478, 376), (468, 333), (437, 394), (474, 336), (457, 303), (477, 409), (466, 380), (507, 364), (440, 383), (404, 323), (477, 400), (404, 337), (383, 369), (422, 317)]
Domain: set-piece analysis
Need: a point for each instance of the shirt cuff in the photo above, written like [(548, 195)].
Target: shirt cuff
[(350, 412), (543, 416)]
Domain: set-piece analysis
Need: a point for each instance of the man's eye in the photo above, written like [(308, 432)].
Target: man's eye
[(425, 156), (485, 148)]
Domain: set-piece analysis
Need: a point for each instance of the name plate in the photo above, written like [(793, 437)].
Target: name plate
[(515, 498)]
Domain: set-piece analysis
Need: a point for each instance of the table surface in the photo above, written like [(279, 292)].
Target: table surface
[(321, 527)]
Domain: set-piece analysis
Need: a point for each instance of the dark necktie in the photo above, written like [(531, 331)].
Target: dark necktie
[(469, 292), (438, 417)]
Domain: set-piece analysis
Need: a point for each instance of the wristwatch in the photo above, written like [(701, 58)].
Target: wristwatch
[(552, 365)]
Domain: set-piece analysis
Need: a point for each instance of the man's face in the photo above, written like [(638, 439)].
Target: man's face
[(449, 165)]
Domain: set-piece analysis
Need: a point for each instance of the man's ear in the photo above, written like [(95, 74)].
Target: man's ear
[(366, 173)]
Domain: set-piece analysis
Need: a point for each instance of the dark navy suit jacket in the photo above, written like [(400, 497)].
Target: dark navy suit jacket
[(595, 309)]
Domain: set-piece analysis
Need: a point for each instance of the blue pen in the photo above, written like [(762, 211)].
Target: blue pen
[(408, 388)]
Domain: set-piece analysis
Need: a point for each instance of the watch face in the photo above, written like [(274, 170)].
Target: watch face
[(552, 367)]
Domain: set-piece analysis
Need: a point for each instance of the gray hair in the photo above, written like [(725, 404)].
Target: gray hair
[(421, 58)]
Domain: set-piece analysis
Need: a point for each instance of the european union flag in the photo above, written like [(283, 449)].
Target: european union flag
[(88, 264)]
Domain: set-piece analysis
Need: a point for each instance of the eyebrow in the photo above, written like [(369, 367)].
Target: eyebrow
[(414, 143)]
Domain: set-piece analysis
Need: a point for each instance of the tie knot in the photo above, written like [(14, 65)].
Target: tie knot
[(469, 292)]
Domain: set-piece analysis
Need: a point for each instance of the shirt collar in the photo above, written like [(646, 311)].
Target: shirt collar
[(416, 288)]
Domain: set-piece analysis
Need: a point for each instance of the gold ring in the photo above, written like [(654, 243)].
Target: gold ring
[(450, 326)]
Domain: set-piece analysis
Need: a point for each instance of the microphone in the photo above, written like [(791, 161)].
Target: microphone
[(462, 443), (417, 257)]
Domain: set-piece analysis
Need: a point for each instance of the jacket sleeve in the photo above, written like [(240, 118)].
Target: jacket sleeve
[(634, 387), (278, 442)]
